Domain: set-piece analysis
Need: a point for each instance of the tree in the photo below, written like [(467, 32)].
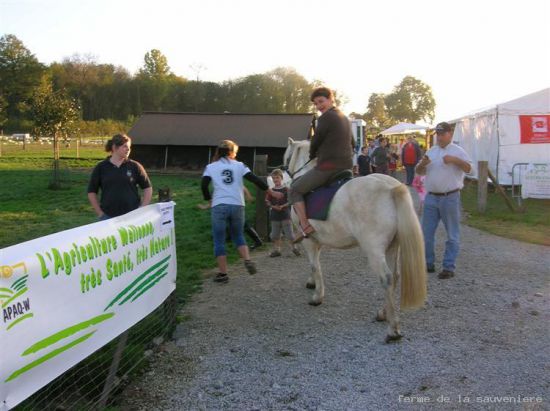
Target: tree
[(410, 101), (20, 74), (55, 115), (292, 90), (153, 80), (376, 114), (155, 65)]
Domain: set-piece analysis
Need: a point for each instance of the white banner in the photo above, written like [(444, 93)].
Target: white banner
[(536, 181), (66, 295)]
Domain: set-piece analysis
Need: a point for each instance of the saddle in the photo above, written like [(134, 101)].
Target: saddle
[(318, 200)]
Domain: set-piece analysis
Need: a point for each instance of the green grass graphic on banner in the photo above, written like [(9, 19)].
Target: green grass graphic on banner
[(29, 315), (145, 282), (136, 281), (149, 286), (5, 290), (17, 284), (19, 294), (48, 356), (52, 339)]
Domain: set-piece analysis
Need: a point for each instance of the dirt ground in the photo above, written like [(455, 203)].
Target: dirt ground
[(254, 343)]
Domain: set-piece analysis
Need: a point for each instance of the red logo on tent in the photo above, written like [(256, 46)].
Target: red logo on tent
[(535, 129)]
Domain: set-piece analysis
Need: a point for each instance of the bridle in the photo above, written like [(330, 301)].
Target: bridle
[(285, 168)]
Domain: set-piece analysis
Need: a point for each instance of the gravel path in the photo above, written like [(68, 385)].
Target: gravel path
[(256, 344)]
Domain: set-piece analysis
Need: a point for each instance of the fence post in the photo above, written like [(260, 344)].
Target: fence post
[(109, 381), (77, 149), (482, 175), (260, 169), (501, 191)]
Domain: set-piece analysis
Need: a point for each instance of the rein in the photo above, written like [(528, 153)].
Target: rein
[(285, 168)]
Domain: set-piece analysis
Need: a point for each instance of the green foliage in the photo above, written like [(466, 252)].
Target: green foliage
[(105, 92), (155, 65), (376, 114), (20, 74), (54, 113), (410, 101)]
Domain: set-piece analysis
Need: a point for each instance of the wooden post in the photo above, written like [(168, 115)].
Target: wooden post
[(260, 169), (501, 191), (110, 380), (482, 168), (77, 148)]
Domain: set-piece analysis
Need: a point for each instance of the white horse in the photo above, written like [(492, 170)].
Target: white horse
[(376, 213)]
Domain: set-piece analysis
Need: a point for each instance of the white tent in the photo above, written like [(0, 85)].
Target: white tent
[(404, 128), (517, 131)]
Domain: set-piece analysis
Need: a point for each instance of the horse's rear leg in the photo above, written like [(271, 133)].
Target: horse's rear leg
[(315, 280), (381, 264)]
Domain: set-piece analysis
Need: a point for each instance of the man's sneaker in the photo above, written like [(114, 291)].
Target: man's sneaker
[(444, 274), (275, 253), (250, 267), (430, 268), (296, 252), (221, 278)]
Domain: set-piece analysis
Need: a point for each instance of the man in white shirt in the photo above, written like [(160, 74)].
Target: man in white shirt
[(444, 165)]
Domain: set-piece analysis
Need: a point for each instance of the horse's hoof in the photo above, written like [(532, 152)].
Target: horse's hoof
[(380, 316), (310, 286), (315, 303), (393, 338)]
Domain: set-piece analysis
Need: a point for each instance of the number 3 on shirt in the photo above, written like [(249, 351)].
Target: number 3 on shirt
[(228, 176)]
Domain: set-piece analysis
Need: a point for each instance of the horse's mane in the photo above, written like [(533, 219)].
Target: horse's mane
[(299, 149)]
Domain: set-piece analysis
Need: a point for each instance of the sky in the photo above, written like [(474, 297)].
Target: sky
[(472, 53)]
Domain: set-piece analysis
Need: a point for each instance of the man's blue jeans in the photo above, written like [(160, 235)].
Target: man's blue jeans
[(224, 215), (446, 209), (410, 173)]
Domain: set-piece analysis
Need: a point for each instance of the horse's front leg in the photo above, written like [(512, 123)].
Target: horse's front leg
[(315, 280)]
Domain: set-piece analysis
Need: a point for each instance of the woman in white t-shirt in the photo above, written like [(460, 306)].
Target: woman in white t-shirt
[(227, 203)]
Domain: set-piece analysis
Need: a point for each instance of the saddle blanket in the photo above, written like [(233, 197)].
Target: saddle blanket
[(318, 201)]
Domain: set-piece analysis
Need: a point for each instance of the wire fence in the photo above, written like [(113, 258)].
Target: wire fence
[(96, 382)]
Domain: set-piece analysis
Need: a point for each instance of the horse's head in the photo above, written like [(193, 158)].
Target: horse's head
[(296, 155)]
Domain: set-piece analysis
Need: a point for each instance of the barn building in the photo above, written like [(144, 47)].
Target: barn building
[(188, 140)]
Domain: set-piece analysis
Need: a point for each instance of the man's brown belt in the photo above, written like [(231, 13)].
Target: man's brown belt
[(445, 194)]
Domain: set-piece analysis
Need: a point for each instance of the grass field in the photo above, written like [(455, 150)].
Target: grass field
[(531, 226), (29, 209)]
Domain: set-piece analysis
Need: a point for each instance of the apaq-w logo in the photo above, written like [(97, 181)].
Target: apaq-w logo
[(228, 176)]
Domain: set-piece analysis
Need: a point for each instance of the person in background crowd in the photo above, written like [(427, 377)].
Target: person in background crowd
[(381, 156), (410, 156), (444, 166), (279, 215), (363, 162), (118, 178), (418, 185), (332, 145), (227, 204), (392, 161), (372, 147)]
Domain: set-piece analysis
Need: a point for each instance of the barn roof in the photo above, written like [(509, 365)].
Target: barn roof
[(208, 129)]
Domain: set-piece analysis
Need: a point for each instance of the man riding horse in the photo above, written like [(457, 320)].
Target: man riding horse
[(332, 145)]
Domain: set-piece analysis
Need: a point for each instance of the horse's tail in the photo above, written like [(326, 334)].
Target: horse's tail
[(411, 246)]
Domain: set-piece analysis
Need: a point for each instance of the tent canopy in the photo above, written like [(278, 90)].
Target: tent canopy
[(495, 134), (404, 128)]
